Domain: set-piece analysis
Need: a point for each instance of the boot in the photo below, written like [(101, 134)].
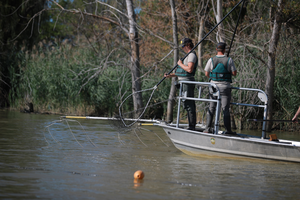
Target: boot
[(227, 124), (209, 119), (192, 120)]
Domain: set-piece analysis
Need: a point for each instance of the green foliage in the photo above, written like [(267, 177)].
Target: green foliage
[(18, 28), (287, 85), (56, 79)]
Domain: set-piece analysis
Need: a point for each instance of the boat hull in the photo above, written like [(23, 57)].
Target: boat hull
[(196, 142)]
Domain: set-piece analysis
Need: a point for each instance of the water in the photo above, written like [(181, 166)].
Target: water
[(35, 164)]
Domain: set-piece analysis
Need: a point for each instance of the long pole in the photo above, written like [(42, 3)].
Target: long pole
[(109, 118), (200, 41), (237, 23), (269, 120)]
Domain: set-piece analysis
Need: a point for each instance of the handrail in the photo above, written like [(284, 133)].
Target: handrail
[(265, 106), (218, 101)]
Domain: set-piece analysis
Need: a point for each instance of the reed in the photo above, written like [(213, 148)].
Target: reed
[(75, 81)]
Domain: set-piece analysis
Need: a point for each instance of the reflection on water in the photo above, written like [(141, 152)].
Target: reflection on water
[(60, 164)]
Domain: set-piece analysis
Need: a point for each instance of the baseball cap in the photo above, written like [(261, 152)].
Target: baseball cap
[(221, 45), (185, 41)]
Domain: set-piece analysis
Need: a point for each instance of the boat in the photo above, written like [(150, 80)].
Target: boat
[(217, 143)]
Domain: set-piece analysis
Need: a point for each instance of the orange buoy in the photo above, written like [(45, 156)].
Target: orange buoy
[(139, 174)]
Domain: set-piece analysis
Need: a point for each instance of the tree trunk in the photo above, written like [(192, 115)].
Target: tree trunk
[(271, 61), (176, 52), (219, 17), (200, 46), (135, 60)]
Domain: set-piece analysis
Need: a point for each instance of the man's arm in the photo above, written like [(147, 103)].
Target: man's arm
[(188, 68), (207, 74), (232, 67), (207, 68), (296, 115)]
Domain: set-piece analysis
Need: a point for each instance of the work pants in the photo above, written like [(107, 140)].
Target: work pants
[(225, 92)]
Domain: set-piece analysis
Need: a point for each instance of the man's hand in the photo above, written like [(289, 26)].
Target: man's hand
[(179, 62), (295, 119)]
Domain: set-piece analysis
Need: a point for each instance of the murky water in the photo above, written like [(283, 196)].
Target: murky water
[(95, 161)]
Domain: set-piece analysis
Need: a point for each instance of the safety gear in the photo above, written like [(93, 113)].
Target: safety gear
[(220, 72), (181, 72)]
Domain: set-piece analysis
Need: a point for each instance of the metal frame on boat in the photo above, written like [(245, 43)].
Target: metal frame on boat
[(197, 142)]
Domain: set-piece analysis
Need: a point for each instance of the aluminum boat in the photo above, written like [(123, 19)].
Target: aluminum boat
[(217, 143)]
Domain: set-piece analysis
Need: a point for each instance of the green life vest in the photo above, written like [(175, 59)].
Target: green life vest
[(181, 72), (220, 72)]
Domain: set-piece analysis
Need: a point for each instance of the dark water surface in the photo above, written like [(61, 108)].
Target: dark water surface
[(60, 164)]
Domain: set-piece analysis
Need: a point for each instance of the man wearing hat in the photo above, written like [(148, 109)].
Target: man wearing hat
[(219, 70), (185, 71)]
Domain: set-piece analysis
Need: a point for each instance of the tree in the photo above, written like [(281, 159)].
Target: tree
[(175, 59), (201, 17), (272, 59), (92, 30), (135, 59), (20, 25), (219, 15)]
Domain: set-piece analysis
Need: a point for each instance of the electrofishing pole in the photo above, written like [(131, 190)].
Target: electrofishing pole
[(237, 23), (200, 42), (269, 120)]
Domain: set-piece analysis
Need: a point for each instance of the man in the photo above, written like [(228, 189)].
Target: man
[(219, 70), (186, 72)]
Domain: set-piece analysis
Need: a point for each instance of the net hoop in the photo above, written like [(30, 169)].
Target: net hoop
[(120, 112)]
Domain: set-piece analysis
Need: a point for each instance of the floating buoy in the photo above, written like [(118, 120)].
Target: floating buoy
[(139, 174)]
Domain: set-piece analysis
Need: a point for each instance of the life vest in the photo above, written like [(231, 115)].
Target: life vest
[(220, 72), (181, 72)]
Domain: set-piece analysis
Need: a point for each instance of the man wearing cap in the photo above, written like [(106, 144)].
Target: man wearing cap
[(219, 70), (185, 71)]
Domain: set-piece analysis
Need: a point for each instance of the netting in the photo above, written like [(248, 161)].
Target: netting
[(66, 122), (69, 132)]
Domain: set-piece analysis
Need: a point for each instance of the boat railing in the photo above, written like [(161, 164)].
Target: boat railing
[(214, 90)]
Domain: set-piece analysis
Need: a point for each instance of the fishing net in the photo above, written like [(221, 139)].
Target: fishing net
[(66, 133), (133, 122), (55, 134)]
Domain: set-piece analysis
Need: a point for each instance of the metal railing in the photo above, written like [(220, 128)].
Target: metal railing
[(182, 96)]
